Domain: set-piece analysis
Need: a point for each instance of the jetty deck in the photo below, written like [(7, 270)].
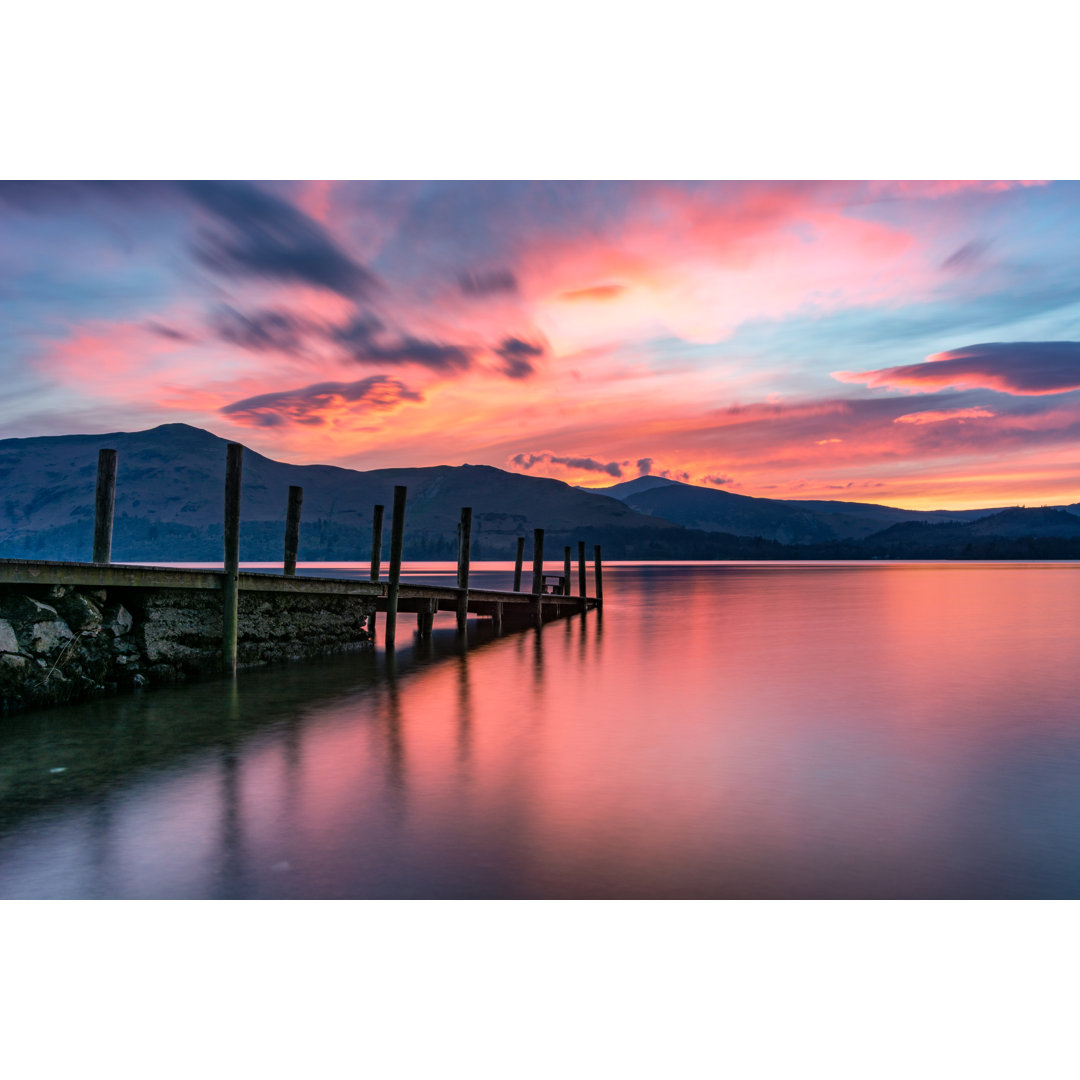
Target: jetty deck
[(419, 599)]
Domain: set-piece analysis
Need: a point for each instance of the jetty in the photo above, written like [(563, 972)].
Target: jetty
[(69, 629)]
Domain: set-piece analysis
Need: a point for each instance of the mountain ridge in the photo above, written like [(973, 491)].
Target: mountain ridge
[(788, 521), (169, 507)]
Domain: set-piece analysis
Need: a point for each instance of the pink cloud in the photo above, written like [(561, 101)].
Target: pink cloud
[(936, 189), (936, 416)]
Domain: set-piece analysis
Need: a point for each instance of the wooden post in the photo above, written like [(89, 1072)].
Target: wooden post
[(397, 536), (517, 563), (376, 543), (464, 540), (292, 528), (425, 620), (566, 572), (497, 618), (234, 464), (581, 585), (598, 576), (104, 502), (538, 574), (538, 561), (376, 557)]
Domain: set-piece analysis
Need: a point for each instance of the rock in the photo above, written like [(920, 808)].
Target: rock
[(58, 592), (163, 673), (97, 595), (9, 643), (45, 637), (79, 612), (15, 678), (118, 620), (22, 610)]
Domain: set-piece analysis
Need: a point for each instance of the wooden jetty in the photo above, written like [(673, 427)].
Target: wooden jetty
[(549, 598)]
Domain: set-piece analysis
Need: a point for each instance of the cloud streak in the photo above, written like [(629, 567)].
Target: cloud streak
[(587, 464), (257, 235), (367, 342), (487, 282), (937, 416), (1012, 367), (313, 404), (518, 357), (260, 331)]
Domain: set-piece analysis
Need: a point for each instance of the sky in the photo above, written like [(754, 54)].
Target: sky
[(909, 343)]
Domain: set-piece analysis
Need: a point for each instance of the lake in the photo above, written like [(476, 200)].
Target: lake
[(721, 730)]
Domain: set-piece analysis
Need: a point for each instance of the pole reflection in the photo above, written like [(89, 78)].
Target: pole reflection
[(464, 714), (231, 874)]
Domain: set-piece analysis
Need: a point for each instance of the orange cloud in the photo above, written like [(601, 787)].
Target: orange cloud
[(596, 292), (312, 404)]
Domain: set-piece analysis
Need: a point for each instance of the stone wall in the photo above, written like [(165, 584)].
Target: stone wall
[(61, 643)]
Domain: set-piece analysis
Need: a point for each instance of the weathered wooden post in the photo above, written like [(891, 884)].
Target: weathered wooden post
[(497, 618), (517, 563), (464, 540), (376, 543), (397, 536), (598, 575), (538, 573), (566, 572), (292, 528), (581, 583), (425, 618), (376, 557), (234, 464), (104, 502), (538, 561)]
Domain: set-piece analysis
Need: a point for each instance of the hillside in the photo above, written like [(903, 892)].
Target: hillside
[(169, 505)]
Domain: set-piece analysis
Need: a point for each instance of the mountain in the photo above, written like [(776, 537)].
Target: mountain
[(170, 497), (856, 517), (1016, 523), (628, 488), (787, 521), (721, 511)]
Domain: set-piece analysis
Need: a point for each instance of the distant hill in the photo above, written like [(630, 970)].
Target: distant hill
[(787, 521), (169, 507), (1012, 524), (628, 488)]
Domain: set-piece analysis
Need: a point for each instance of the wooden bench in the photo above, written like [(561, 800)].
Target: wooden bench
[(555, 584)]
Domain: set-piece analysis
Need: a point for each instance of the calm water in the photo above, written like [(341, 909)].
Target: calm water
[(722, 731)]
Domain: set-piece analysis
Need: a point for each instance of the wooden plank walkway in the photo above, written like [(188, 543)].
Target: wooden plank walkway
[(413, 598)]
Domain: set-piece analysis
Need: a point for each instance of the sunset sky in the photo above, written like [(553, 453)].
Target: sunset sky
[(913, 343)]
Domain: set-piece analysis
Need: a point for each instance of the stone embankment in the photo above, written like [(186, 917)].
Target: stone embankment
[(61, 643)]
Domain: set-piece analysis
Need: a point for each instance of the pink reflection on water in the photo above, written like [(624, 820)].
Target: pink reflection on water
[(722, 730)]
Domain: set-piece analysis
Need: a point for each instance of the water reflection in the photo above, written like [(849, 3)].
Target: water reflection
[(888, 731)]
